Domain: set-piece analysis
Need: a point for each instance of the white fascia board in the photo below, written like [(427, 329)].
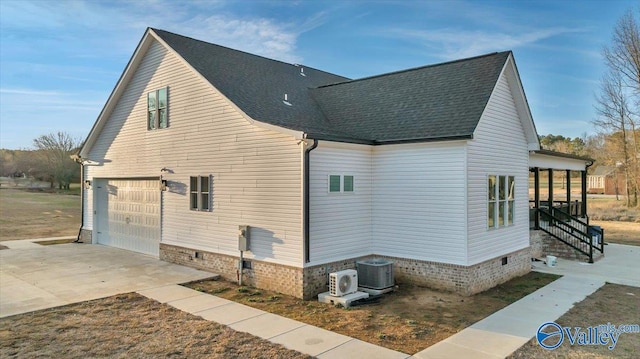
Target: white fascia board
[(296, 134), (522, 105), (117, 91), (556, 162)]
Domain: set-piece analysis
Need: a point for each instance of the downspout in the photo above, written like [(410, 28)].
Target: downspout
[(306, 199), (79, 160)]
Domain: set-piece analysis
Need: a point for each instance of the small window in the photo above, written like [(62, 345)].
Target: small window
[(348, 183), (500, 201), (157, 109), (334, 183), (341, 183), (200, 193)]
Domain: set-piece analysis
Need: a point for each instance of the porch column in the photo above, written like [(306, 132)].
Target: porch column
[(536, 195), (584, 193), (550, 189), (569, 192)]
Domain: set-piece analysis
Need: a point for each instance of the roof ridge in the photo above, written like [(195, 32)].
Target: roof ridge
[(245, 52), (416, 68)]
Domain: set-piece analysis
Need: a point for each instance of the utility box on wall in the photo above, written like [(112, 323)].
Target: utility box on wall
[(243, 238)]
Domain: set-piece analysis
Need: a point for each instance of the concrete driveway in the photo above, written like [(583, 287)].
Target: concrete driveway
[(34, 277)]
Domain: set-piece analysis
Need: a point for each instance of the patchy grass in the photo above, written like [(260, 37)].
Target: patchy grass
[(620, 232), (127, 326), (56, 241), (34, 214), (408, 320), (615, 304), (608, 209)]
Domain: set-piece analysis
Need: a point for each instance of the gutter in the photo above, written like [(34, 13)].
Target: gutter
[(306, 199)]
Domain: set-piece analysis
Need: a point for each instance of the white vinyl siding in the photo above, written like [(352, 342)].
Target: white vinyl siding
[(340, 224), (255, 173), (499, 147), (419, 201)]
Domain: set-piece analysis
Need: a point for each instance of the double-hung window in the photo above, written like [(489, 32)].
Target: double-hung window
[(157, 109), (200, 193), (501, 200), (341, 183)]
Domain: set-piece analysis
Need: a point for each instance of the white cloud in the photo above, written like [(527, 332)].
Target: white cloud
[(259, 36), (456, 44)]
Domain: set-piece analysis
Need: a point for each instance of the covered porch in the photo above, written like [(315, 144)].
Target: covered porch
[(558, 200)]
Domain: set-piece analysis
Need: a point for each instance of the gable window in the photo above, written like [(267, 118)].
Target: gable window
[(501, 201), (157, 109), (200, 193), (341, 183)]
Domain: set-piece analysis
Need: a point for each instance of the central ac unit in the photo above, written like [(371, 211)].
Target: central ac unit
[(343, 282)]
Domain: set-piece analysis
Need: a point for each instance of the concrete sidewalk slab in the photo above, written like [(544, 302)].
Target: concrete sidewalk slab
[(448, 350), (358, 349), (498, 345), (169, 293), (506, 330), (311, 340), (229, 313), (267, 325), (199, 303)]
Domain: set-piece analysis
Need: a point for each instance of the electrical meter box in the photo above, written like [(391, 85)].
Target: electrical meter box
[(243, 238)]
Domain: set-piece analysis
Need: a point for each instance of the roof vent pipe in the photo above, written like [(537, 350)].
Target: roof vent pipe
[(286, 100), (302, 72)]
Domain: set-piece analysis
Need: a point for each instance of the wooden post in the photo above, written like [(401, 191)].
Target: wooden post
[(536, 196)]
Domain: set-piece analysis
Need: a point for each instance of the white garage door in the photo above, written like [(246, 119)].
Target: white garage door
[(128, 214)]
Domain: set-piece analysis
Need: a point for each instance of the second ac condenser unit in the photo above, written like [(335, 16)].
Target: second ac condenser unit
[(375, 273)]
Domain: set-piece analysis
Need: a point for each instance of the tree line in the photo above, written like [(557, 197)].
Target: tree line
[(49, 161)]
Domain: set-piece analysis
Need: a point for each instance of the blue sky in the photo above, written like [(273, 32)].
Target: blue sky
[(59, 60)]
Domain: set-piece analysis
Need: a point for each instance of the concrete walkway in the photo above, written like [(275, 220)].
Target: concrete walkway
[(505, 331)]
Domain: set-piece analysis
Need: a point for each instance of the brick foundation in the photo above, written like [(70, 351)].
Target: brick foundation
[(86, 236), (546, 245), (264, 275), (307, 282)]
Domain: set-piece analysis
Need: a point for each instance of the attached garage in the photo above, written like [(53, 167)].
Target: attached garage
[(127, 214)]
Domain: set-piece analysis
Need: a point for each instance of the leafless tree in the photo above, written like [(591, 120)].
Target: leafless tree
[(618, 101), (52, 154)]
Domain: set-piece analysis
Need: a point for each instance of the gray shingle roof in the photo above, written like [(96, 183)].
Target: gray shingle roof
[(428, 103)]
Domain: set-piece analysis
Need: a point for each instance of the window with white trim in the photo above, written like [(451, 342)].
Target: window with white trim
[(157, 116), (500, 201), (341, 183), (200, 193)]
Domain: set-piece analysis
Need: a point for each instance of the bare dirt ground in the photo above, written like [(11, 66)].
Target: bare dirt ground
[(408, 320), (615, 304), (127, 326), (28, 213)]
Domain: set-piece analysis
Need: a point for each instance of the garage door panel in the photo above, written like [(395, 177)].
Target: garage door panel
[(128, 215)]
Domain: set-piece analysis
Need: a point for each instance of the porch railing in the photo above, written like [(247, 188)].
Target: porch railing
[(571, 230)]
